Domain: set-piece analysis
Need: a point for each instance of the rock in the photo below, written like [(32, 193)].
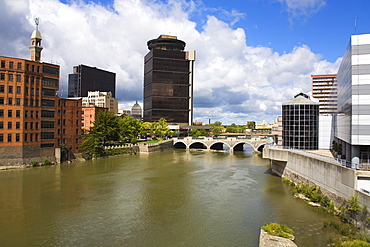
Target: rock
[(267, 240)]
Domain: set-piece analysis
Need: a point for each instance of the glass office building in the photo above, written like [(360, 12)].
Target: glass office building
[(168, 79), (300, 123)]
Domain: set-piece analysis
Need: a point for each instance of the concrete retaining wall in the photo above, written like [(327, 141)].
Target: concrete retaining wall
[(24, 155), (156, 147), (336, 181)]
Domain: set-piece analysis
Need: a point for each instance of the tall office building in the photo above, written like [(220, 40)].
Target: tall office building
[(27, 106), (168, 81), (301, 123), (324, 88), (353, 120), (85, 78)]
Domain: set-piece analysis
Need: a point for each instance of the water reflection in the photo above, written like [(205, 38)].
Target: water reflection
[(173, 198)]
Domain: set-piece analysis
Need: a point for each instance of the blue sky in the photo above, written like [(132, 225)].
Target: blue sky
[(252, 55)]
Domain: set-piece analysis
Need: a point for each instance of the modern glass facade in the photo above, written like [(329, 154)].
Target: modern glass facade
[(167, 84), (353, 120), (300, 123), (85, 79)]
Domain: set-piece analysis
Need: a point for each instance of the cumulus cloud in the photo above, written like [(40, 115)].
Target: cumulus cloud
[(234, 82)]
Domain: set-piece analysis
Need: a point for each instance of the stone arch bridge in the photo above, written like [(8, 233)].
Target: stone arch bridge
[(214, 143)]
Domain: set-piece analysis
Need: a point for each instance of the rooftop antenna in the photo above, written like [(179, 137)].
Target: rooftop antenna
[(355, 25)]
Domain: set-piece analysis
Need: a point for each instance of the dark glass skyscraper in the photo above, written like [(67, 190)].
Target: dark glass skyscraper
[(85, 78), (301, 123), (168, 81)]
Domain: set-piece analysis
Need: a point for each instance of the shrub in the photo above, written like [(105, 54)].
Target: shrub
[(355, 243), (46, 162), (34, 163), (278, 230)]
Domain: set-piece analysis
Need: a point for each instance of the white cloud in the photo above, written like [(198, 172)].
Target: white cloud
[(234, 82), (302, 8)]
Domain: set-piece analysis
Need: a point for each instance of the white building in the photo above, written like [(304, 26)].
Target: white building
[(101, 99), (353, 120)]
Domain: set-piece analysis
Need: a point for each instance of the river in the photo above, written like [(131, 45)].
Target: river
[(170, 198)]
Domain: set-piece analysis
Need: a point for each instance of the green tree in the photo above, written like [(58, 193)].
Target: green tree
[(251, 125), (198, 132), (106, 128), (131, 128), (160, 128)]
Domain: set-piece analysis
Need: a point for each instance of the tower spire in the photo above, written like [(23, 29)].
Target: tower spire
[(35, 47)]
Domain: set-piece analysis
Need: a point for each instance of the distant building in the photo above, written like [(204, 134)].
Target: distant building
[(85, 79), (89, 114), (101, 99), (27, 107), (353, 119), (168, 81), (324, 88), (136, 111), (301, 123)]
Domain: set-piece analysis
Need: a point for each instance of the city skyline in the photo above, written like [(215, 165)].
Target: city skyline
[(253, 56)]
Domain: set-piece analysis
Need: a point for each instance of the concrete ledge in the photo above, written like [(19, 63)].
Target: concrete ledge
[(267, 240)]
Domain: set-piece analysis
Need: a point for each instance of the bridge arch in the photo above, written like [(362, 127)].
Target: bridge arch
[(219, 145), (198, 145), (261, 147), (239, 146), (179, 145)]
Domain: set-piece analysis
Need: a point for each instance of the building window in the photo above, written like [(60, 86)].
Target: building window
[(33, 68), (10, 101), (11, 65), (2, 63), (1, 100), (27, 79), (59, 132), (26, 114), (10, 89), (10, 125), (76, 131), (25, 137), (1, 137), (76, 122), (1, 113), (2, 76), (26, 125), (18, 113), (9, 137), (2, 88), (31, 125), (18, 101), (10, 113), (25, 102), (31, 137), (17, 125), (1, 125), (10, 77), (37, 114), (37, 125), (26, 91), (37, 137), (18, 78), (27, 67), (31, 114), (17, 138), (19, 66), (18, 89)]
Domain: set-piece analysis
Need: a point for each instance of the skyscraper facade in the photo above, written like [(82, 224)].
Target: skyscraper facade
[(301, 123), (324, 88), (353, 120), (85, 78), (168, 81)]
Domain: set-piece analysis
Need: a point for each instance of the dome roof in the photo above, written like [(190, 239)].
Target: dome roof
[(36, 34), (301, 99)]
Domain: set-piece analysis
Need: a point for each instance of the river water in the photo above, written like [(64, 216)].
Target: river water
[(171, 198)]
